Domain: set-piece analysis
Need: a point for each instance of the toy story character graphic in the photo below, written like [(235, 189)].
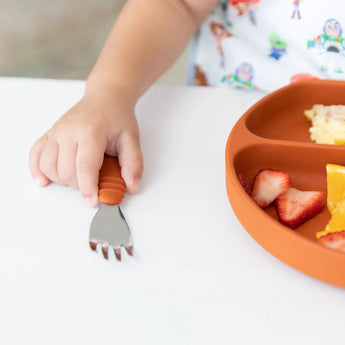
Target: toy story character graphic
[(277, 46), (199, 76), (244, 7), (296, 4), (331, 44), (220, 32), (242, 78)]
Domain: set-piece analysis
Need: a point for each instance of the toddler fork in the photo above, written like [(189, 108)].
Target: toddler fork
[(109, 228)]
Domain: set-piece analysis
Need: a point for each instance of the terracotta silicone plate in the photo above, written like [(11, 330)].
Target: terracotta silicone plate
[(274, 133)]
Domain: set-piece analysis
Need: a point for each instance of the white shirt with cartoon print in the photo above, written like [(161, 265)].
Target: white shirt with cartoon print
[(266, 44)]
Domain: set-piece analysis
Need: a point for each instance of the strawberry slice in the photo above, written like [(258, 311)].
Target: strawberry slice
[(268, 184), (294, 206), (334, 240), (244, 184)]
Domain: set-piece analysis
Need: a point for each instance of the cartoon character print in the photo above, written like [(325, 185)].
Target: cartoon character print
[(331, 44), (296, 10), (220, 32), (244, 7), (242, 78), (277, 46), (200, 78)]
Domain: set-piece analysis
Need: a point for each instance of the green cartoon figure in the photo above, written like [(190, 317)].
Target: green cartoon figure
[(278, 46)]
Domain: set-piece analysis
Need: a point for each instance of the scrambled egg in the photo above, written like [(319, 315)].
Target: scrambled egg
[(328, 124)]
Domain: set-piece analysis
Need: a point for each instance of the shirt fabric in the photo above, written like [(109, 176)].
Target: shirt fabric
[(266, 44)]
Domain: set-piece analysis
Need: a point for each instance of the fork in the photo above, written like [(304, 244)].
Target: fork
[(109, 228)]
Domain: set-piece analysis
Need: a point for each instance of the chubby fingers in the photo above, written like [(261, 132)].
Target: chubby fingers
[(34, 162), (131, 161), (89, 160), (68, 163), (77, 164), (50, 161)]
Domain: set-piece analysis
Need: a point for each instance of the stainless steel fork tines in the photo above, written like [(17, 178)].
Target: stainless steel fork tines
[(109, 231)]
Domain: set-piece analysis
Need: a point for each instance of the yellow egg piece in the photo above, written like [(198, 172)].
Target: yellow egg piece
[(328, 124)]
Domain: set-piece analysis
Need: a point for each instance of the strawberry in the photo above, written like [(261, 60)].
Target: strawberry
[(244, 184), (334, 240), (294, 206), (268, 184)]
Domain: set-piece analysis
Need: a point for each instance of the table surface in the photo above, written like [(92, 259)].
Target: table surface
[(197, 277)]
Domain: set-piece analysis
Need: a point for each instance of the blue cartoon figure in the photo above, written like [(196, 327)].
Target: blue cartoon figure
[(331, 44), (277, 46), (242, 78)]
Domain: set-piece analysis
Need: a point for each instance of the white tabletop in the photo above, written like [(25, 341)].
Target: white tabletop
[(196, 277)]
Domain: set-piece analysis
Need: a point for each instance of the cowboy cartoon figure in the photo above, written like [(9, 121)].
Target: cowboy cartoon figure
[(220, 32), (296, 4)]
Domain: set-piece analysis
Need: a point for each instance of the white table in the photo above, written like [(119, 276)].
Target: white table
[(196, 277)]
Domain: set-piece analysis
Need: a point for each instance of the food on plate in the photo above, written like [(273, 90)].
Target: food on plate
[(335, 185), (335, 199), (244, 185), (294, 206), (337, 221), (268, 184), (334, 240), (328, 124), (333, 236)]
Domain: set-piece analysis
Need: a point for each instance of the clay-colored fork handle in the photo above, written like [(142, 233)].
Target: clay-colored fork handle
[(111, 186)]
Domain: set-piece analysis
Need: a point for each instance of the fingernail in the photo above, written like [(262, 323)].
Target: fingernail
[(92, 200), (39, 182), (136, 185)]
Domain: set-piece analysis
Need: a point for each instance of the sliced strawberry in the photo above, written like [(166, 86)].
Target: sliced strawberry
[(268, 184), (334, 240), (244, 184), (294, 206)]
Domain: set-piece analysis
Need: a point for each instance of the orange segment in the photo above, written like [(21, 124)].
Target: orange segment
[(337, 222), (335, 185), (335, 199)]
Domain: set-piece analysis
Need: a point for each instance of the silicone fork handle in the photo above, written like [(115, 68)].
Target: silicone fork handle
[(111, 186)]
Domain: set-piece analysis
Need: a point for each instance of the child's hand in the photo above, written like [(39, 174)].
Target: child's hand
[(72, 151)]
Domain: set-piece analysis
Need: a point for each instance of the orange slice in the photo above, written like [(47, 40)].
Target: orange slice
[(335, 199), (335, 185), (337, 221)]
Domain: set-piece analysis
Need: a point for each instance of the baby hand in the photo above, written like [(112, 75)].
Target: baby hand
[(71, 152)]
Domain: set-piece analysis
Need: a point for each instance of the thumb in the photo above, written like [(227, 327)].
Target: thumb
[(131, 162)]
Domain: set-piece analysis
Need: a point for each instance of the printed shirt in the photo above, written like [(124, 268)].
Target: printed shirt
[(266, 44)]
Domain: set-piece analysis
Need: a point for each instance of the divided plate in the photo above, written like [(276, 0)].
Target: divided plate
[(274, 133)]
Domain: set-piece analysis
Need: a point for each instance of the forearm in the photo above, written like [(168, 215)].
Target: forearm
[(146, 39)]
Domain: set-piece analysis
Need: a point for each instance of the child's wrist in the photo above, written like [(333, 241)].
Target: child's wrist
[(110, 92)]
